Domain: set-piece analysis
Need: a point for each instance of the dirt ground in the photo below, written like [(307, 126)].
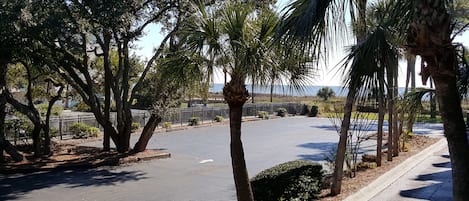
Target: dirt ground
[(67, 154)]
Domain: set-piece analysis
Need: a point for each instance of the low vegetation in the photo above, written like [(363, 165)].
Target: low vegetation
[(294, 180), (82, 130)]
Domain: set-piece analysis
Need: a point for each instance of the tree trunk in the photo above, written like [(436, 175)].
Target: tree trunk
[(381, 113), (455, 132), (395, 120), (3, 102), (36, 135), (429, 36), (271, 91), (410, 75), (342, 145), (147, 132), (12, 151), (432, 102), (236, 95), (46, 126), (360, 27), (390, 113)]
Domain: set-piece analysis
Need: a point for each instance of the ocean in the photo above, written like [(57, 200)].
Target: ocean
[(285, 90)]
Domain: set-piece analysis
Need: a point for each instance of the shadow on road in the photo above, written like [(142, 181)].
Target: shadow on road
[(13, 186), (324, 149), (440, 188)]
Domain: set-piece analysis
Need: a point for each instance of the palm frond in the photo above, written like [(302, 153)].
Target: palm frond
[(367, 60)]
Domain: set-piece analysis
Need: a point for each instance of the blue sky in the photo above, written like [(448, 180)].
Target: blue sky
[(327, 75)]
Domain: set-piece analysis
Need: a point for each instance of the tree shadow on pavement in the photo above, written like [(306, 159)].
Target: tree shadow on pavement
[(322, 150), (13, 186), (440, 188)]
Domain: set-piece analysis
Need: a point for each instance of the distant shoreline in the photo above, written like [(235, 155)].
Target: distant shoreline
[(280, 90)]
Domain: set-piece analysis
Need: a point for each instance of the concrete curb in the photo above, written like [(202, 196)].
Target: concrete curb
[(388, 178)]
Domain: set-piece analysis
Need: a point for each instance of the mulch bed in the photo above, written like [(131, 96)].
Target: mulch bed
[(68, 155)]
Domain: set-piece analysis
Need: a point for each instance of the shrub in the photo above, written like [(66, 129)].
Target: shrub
[(294, 180), (263, 114), (82, 130), (56, 109), (282, 112), (366, 165), (135, 126), (167, 124), (305, 110), (218, 118), (53, 132), (194, 121), (314, 111), (82, 107)]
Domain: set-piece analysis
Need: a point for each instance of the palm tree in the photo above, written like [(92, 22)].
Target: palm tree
[(309, 24), (429, 36), (243, 36)]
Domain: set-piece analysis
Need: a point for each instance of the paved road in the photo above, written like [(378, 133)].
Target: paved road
[(183, 177)]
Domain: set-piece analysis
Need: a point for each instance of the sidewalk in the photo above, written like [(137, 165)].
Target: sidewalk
[(425, 176)]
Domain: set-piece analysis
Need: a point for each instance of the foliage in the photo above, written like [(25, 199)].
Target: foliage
[(306, 110), (326, 93), (366, 165), (219, 118), (282, 112), (82, 130), (263, 114), (314, 111), (293, 180), (82, 107), (167, 124), (194, 121), (135, 126), (56, 109), (53, 131)]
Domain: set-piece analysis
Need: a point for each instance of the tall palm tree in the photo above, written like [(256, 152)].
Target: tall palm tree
[(309, 24), (243, 36), (429, 37)]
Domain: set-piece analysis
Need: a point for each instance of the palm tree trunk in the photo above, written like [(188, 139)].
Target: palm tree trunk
[(430, 37), (381, 113), (455, 132), (236, 95), (390, 114), (342, 145), (395, 129), (147, 132)]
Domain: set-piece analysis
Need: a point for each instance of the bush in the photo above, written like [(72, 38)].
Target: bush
[(314, 111), (218, 118), (194, 121), (294, 180), (305, 110), (366, 165), (82, 107), (135, 126), (82, 130), (56, 109), (53, 132), (282, 112), (263, 114), (167, 124)]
